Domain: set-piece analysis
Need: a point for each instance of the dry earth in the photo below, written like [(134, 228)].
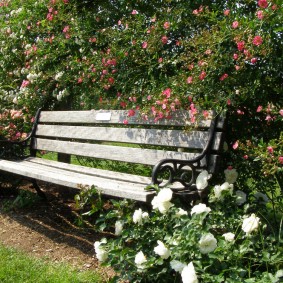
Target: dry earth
[(46, 229)]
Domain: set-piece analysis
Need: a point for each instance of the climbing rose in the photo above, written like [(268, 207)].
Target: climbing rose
[(229, 237), (262, 3), (162, 200), (140, 260), (101, 254), (177, 265), (257, 40), (219, 189), (118, 228), (235, 24)]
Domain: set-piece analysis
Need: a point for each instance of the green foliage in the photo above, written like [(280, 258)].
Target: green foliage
[(245, 239)]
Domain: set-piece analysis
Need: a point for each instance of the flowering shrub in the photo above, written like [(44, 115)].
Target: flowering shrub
[(213, 242)]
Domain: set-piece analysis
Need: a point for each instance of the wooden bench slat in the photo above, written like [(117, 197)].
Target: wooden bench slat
[(64, 178), (91, 171), (179, 118), (118, 153), (176, 138)]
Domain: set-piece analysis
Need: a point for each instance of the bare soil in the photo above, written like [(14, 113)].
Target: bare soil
[(46, 229)]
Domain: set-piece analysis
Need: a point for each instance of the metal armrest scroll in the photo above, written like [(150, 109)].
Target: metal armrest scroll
[(177, 170)]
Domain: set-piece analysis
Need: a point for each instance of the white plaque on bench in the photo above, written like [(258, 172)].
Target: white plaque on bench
[(103, 116)]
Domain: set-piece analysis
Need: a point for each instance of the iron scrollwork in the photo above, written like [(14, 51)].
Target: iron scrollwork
[(173, 171)]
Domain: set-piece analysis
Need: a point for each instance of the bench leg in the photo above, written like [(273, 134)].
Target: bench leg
[(38, 190)]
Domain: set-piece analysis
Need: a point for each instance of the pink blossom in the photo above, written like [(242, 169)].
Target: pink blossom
[(160, 60), (119, 22), (205, 114), (259, 14), (253, 60), (257, 40), (195, 12), (274, 7), (280, 159), (144, 45), (235, 56), (131, 112), (259, 108), (246, 156), (80, 80), (123, 104), (241, 45), (268, 118), (202, 75), (190, 80), (226, 12), (164, 39), (135, 12), (262, 3), (149, 97), (281, 112), (25, 83), (270, 149), (66, 29), (235, 145), (167, 92), (125, 122), (223, 77), (237, 67), (228, 101), (235, 24), (166, 25), (111, 80)]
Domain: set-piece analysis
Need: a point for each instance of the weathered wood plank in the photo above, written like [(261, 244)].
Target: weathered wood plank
[(176, 138), (91, 171), (71, 179), (118, 153), (179, 118)]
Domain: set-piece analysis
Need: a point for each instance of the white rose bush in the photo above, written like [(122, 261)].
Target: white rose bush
[(220, 240)]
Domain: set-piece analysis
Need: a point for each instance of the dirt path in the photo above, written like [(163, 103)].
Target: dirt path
[(46, 230)]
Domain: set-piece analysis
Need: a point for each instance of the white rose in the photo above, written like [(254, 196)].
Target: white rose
[(162, 200), (181, 212), (229, 237), (241, 197), (161, 250), (137, 216), (118, 228), (140, 260), (250, 224), (219, 189), (200, 208), (189, 274), (177, 265), (231, 175), (101, 254), (207, 243), (201, 181)]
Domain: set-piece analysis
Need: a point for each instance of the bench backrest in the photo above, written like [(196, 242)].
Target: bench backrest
[(103, 135)]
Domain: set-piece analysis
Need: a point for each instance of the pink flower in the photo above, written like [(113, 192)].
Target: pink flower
[(131, 112), (202, 75), (66, 29), (281, 112), (164, 39), (262, 3), (223, 77), (190, 80), (135, 12), (253, 60), (25, 83), (160, 60), (144, 45), (246, 156), (241, 45), (167, 92), (259, 108), (270, 149), (280, 159), (235, 145), (257, 40), (235, 24), (125, 122), (226, 12), (195, 12), (259, 15), (237, 67), (235, 56), (111, 80), (166, 25)]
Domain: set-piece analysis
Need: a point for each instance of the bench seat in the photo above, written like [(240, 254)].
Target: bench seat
[(174, 149)]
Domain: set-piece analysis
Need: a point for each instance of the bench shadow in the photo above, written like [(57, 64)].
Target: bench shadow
[(55, 218)]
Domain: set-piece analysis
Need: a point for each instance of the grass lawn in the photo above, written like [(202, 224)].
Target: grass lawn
[(16, 267)]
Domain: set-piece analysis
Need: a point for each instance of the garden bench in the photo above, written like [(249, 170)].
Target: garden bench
[(176, 151)]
